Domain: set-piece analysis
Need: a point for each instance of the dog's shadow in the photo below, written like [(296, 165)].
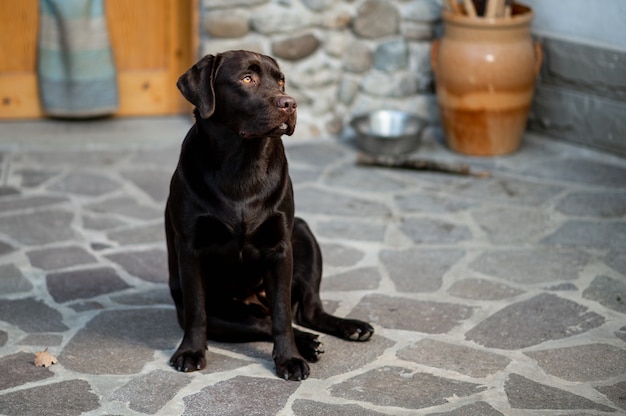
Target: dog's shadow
[(225, 356)]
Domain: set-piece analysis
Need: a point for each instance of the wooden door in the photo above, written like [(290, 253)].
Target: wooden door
[(153, 42), (152, 45), (18, 59)]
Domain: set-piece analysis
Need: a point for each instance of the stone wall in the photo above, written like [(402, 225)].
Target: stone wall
[(581, 94), (340, 58)]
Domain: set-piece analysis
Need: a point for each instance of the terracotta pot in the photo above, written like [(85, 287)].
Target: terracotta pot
[(485, 72)]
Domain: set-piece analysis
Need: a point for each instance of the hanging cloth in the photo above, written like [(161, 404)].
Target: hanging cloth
[(75, 69)]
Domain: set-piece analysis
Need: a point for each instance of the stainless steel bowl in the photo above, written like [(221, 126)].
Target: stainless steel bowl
[(388, 132)]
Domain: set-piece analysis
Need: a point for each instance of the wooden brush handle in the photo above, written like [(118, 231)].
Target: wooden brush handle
[(454, 6), (493, 6), (469, 8)]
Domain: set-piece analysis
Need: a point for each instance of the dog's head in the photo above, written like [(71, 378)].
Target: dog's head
[(243, 90)]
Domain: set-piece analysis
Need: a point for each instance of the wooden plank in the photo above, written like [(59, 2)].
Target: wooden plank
[(143, 92), (19, 95), (147, 41), (18, 35), (183, 53), (138, 31)]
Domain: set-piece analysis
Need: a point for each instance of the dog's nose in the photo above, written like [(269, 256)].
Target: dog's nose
[(286, 103)]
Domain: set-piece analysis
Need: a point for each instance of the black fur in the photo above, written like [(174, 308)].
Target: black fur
[(241, 266)]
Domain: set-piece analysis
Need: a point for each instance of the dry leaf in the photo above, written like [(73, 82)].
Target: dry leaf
[(44, 359)]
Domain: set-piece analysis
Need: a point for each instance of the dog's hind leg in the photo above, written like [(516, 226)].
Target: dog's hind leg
[(307, 276)]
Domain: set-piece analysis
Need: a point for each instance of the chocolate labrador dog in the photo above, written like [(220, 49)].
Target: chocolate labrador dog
[(241, 267)]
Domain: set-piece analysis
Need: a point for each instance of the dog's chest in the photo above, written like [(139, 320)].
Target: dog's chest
[(241, 239)]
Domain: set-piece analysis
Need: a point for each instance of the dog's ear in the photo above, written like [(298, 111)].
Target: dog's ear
[(196, 84)]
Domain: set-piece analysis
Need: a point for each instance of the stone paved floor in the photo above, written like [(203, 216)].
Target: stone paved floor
[(500, 296)]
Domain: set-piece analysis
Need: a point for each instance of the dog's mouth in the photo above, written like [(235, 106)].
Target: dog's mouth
[(284, 128), (287, 128)]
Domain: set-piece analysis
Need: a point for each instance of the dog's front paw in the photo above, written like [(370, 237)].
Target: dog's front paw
[(355, 330), (186, 361), (294, 368)]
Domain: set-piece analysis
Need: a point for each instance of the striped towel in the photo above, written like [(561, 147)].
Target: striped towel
[(75, 68)]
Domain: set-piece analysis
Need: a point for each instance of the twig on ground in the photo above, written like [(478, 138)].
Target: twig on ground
[(403, 162)]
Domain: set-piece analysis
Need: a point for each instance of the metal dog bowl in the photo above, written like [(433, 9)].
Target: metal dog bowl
[(388, 132)]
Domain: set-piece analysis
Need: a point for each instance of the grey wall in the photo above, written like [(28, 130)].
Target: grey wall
[(599, 21), (581, 96)]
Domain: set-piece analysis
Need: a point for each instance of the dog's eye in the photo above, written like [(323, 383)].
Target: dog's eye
[(247, 79), (281, 83)]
